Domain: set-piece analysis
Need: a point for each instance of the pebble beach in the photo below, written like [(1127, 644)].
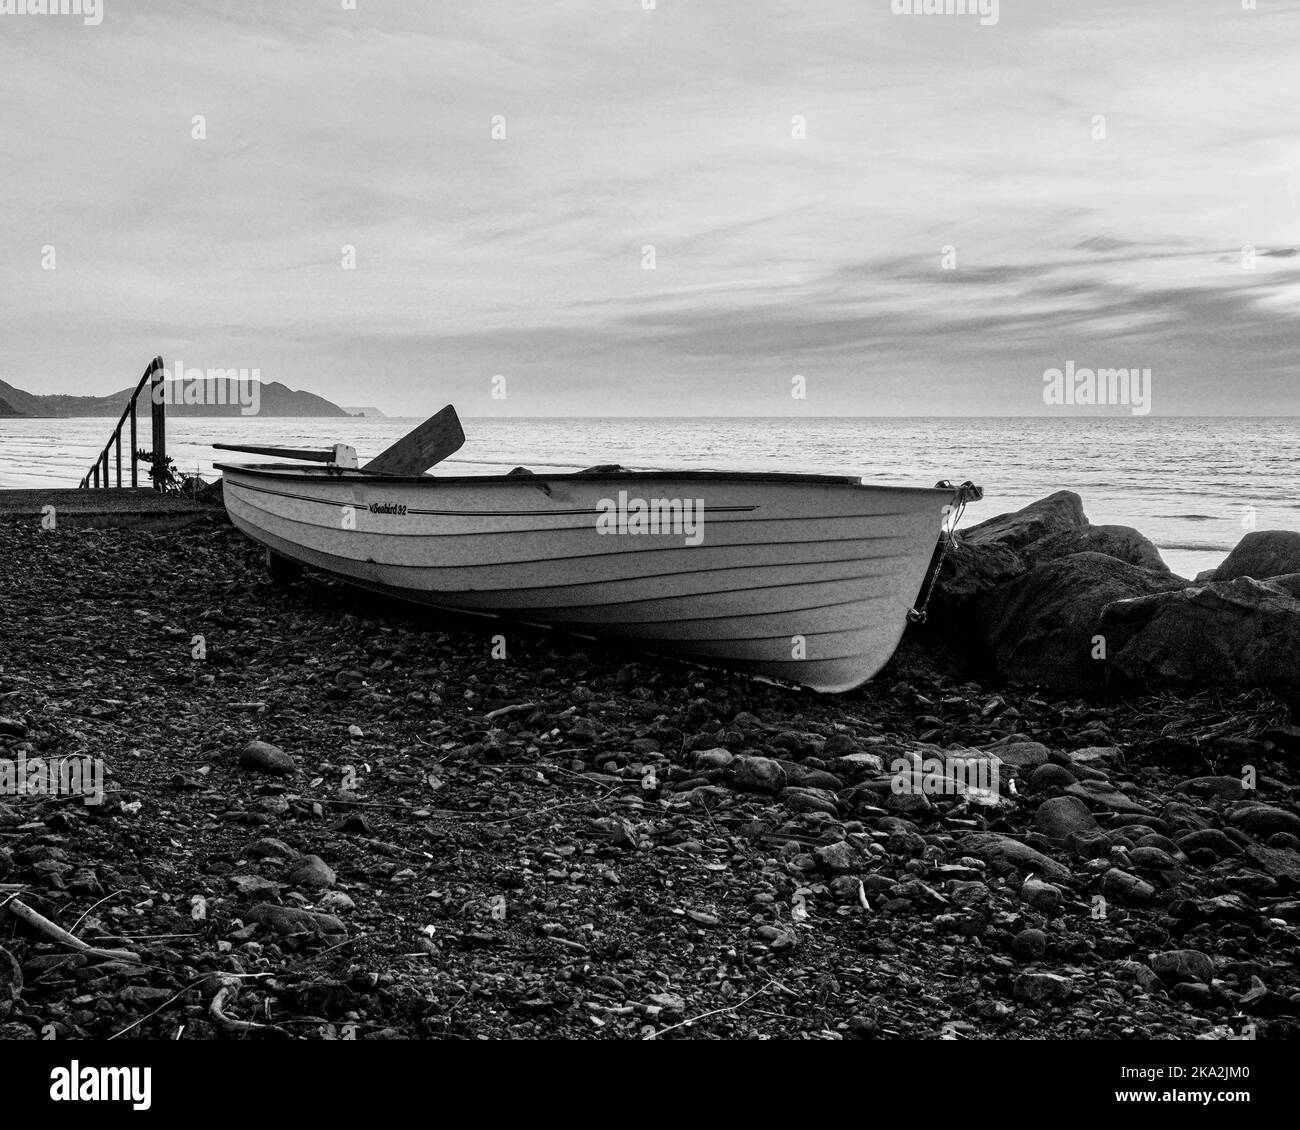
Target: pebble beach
[(330, 817)]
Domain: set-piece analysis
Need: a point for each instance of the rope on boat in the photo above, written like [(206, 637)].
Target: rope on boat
[(967, 492)]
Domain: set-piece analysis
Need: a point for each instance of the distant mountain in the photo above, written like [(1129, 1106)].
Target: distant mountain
[(273, 399), (365, 412)]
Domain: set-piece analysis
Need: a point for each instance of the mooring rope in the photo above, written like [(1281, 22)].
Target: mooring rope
[(967, 492)]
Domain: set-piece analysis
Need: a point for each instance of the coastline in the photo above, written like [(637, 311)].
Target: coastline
[(769, 876)]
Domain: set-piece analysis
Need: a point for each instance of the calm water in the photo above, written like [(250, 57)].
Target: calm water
[(1186, 483)]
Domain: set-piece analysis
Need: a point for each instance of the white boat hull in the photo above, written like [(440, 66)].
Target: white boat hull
[(806, 579)]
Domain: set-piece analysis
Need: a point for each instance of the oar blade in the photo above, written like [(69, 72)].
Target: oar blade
[(428, 445)]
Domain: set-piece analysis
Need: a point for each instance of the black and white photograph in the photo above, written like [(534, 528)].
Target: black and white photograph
[(649, 520)]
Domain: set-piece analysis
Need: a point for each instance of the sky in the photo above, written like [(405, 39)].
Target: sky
[(797, 166)]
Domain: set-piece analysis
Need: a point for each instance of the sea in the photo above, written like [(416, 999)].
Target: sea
[(1193, 485)]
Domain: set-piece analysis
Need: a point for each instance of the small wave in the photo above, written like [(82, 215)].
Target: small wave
[(1196, 546), (1191, 517)]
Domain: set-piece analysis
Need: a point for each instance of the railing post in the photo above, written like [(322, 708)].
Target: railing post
[(117, 439), (134, 449), (159, 419)]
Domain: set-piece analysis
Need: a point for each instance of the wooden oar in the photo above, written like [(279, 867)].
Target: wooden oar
[(428, 445), (283, 452), (340, 455)]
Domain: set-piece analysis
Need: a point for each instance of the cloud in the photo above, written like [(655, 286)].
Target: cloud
[(671, 128)]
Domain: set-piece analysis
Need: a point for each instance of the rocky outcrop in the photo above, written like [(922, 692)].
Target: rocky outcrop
[(1009, 546), (1045, 597), (1262, 554), (1120, 542), (1232, 634), (1043, 627)]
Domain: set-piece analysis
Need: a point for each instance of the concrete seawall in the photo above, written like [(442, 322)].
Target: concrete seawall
[(105, 509)]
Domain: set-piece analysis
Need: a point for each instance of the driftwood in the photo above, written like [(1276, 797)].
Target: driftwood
[(43, 925), (225, 995)]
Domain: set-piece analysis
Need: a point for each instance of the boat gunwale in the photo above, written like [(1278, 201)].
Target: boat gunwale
[(325, 474)]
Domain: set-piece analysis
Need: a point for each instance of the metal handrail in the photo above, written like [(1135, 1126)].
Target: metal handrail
[(153, 376)]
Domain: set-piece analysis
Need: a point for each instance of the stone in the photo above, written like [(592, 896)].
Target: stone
[(1050, 777), (1232, 635), (1122, 886), (262, 757), (991, 553), (1280, 863), (858, 763), (798, 799), (269, 849), (1183, 965), (1104, 795), (1209, 839), (968, 892), (1041, 988), (1229, 788), (1143, 976), (312, 872), (1096, 755), (1044, 897), (712, 758), (1062, 817), (1029, 945), (1005, 854), (1057, 513), (757, 774), (1152, 859), (291, 920), (1263, 820), (1164, 843), (1021, 755), (254, 886), (1121, 542), (838, 859), (1041, 627), (820, 779), (1262, 554)]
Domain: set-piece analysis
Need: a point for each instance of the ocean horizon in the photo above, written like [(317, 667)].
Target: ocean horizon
[(1193, 484)]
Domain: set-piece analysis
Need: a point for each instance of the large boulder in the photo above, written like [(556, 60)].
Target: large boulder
[(1041, 627), (1054, 514), (1008, 546), (1121, 542), (1232, 634), (1262, 554), (989, 554)]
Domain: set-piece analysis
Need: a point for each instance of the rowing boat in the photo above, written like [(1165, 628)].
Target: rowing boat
[(807, 579)]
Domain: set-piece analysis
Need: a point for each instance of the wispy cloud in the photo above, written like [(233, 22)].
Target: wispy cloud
[(671, 128)]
